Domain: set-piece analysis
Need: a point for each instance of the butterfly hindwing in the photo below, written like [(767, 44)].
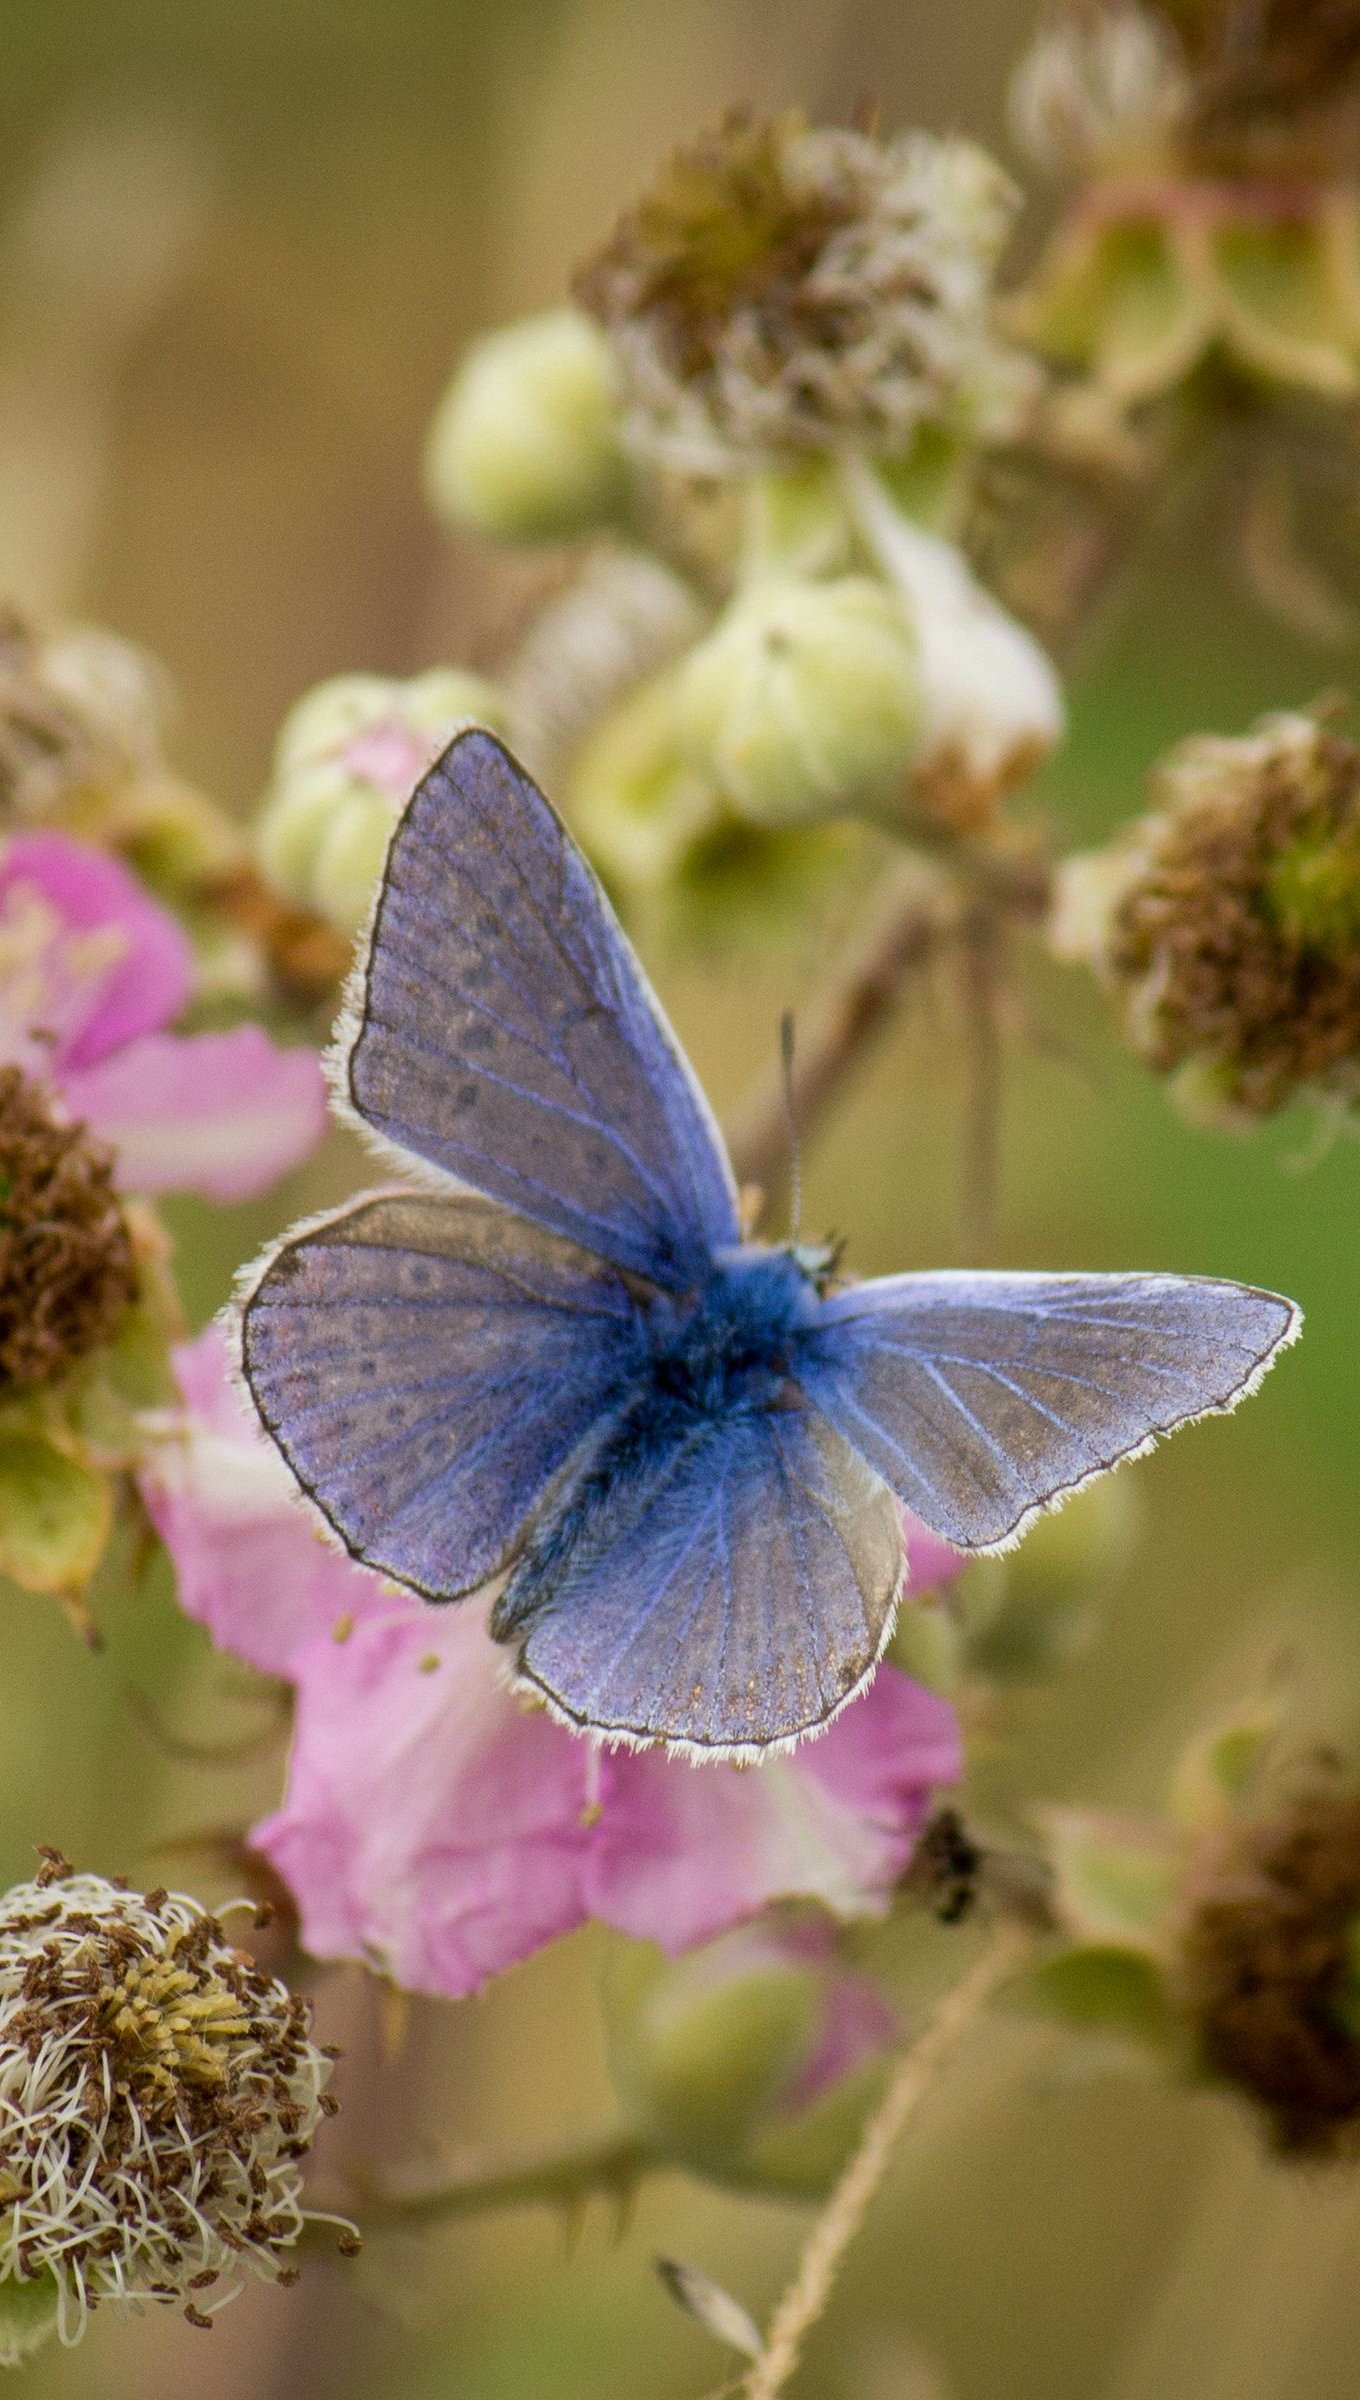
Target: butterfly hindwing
[(736, 1595), (980, 1397), (427, 1364), (506, 1034)]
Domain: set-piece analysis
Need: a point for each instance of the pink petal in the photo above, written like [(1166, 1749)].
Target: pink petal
[(221, 1114), (147, 977), (251, 1564), (930, 1562), (682, 1851), (858, 2026), (433, 1823)]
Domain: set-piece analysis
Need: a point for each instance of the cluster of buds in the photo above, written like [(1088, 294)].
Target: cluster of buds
[(1227, 922), (1224, 1938), (784, 366), (160, 2095)]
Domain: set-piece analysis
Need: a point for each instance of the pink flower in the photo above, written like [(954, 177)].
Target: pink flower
[(437, 1824), (92, 971)]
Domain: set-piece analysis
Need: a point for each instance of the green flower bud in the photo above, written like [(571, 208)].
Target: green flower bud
[(524, 444), (751, 2060), (634, 801), (805, 701), (347, 758)]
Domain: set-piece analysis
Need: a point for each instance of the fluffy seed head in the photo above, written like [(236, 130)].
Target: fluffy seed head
[(1228, 921), (157, 2097), (783, 287), (66, 1262)]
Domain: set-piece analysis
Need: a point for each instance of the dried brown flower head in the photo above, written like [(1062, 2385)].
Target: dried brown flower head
[(1228, 922), (67, 1271), (783, 286), (160, 2096), (1271, 1970)]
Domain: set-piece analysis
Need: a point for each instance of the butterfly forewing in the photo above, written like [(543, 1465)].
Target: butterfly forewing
[(736, 1596), (505, 1032), (427, 1365), (979, 1398)]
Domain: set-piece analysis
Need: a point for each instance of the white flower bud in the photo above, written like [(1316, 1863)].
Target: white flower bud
[(347, 757), (524, 444), (805, 700)]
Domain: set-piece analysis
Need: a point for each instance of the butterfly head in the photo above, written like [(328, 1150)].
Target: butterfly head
[(819, 1262)]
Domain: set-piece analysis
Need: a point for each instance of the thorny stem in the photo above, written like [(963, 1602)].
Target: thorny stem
[(824, 2252), (610, 2165)]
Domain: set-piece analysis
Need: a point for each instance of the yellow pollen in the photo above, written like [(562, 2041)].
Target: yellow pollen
[(178, 2024)]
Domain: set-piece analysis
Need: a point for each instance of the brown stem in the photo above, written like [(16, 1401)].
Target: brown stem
[(611, 2164), (836, 2227)]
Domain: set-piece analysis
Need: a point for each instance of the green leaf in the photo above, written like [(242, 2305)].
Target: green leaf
[(55, 1515)]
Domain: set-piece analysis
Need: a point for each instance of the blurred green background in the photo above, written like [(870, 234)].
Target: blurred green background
[(240, 243)]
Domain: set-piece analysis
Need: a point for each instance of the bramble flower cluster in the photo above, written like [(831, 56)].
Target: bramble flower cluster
[(158, 2096), (788, 665)]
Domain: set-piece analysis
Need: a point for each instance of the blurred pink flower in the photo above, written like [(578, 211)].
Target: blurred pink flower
[(440, 1826), (92, 970)]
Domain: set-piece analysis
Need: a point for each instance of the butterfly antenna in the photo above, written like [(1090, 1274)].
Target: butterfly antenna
[(786, 1043)]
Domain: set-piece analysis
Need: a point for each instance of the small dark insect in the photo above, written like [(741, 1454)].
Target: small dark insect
[(947, 1867)]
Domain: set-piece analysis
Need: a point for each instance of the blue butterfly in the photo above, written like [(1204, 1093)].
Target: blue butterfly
[(557, 1364)]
